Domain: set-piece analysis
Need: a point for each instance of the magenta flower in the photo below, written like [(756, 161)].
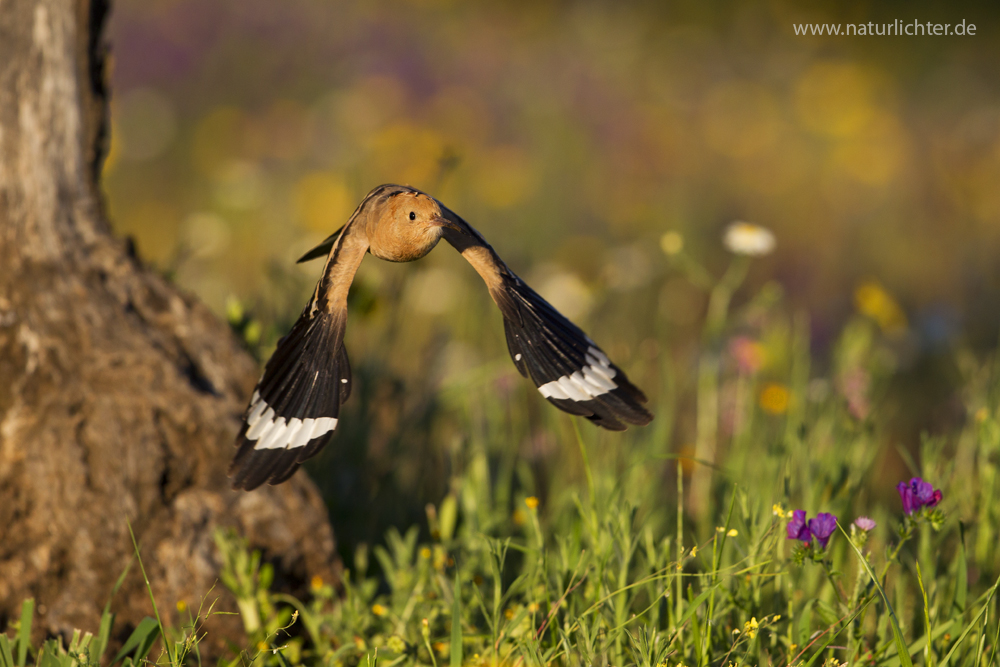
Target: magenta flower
[(822, 527), (916, 494), (906, 496), (925, 494), (864, 523), (797, 528)]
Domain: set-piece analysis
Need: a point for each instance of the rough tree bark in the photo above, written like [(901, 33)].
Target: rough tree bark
[(119, 396)]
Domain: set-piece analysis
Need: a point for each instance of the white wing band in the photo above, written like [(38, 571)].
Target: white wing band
[(589, 382), (278, 433)]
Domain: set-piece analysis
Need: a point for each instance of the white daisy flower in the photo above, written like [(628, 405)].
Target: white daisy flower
[(744, 238)]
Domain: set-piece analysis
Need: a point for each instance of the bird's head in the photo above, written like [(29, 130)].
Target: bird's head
[(407, 227)]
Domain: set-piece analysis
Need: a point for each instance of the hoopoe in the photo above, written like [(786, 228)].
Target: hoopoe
[(296, 404)]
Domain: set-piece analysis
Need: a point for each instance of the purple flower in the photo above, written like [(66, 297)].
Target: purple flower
[(797, 528), (906, 496), (917, 494), (864, 523), (822, 527)]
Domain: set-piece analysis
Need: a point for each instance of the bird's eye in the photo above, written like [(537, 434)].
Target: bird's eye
[(413, 216)]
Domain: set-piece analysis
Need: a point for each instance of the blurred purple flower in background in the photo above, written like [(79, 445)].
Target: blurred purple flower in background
[(822, 527), (916, 494), (797, 528), (864, 523)]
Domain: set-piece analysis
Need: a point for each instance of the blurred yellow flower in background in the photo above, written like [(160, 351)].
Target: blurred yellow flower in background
[(873, 300), (323, 201), (835, 99), (671, 243), (774, 398)]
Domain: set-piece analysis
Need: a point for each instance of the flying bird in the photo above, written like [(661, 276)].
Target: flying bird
[(296, 404)]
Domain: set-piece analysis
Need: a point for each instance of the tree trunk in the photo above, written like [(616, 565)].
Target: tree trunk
[(119, 396)]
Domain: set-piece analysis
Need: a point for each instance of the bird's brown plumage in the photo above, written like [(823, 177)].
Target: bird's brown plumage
[(295, 408)]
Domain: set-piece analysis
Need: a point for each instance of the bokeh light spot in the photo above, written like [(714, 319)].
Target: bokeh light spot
[(322, 201), (835, 99)]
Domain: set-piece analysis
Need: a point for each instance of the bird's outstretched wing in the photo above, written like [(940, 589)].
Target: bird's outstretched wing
[(568, 368), (296, 403)]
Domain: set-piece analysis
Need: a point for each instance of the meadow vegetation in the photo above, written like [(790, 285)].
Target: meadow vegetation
[(782, 536)]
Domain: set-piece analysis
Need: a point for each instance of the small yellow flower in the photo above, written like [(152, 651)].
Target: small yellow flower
[(778, 511), (694, 551), (531, 502), (262, 646), (316, 583), (533, 607), (182, 606), (750, 627), (873, 300), (440, 647), (732, 532), (777, 617), (378, 609), (743, 238), (672, 243), (720, 529), (774, 398), (425, 553), (508, 613)]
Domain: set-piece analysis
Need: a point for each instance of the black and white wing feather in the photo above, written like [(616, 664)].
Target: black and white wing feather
[(567, 367), (295, 407)]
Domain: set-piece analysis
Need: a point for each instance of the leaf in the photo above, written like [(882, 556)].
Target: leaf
[(6, 658), (52, 655), (100, 642), (455, 652), (24, 633), (961, 572), (141, 640), (694, 604)]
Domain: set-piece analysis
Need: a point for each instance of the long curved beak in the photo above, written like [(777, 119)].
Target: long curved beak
[(441, 221)]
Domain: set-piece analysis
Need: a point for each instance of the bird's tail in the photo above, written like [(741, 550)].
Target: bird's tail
[(568, 368), (295, 406)]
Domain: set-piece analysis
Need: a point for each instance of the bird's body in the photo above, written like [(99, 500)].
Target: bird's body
[(295, 407)]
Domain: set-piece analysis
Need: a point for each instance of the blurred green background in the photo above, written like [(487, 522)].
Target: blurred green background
[(573, 136)]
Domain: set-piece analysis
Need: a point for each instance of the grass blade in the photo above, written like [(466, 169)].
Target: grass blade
[(455, 653), (970, 626), (140, 641), (927, 618), (904, 655), (961, 572), (6, 657), (24, 634), (156, 612)]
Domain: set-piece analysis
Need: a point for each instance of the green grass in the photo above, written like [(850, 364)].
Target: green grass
[(628, 549)]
